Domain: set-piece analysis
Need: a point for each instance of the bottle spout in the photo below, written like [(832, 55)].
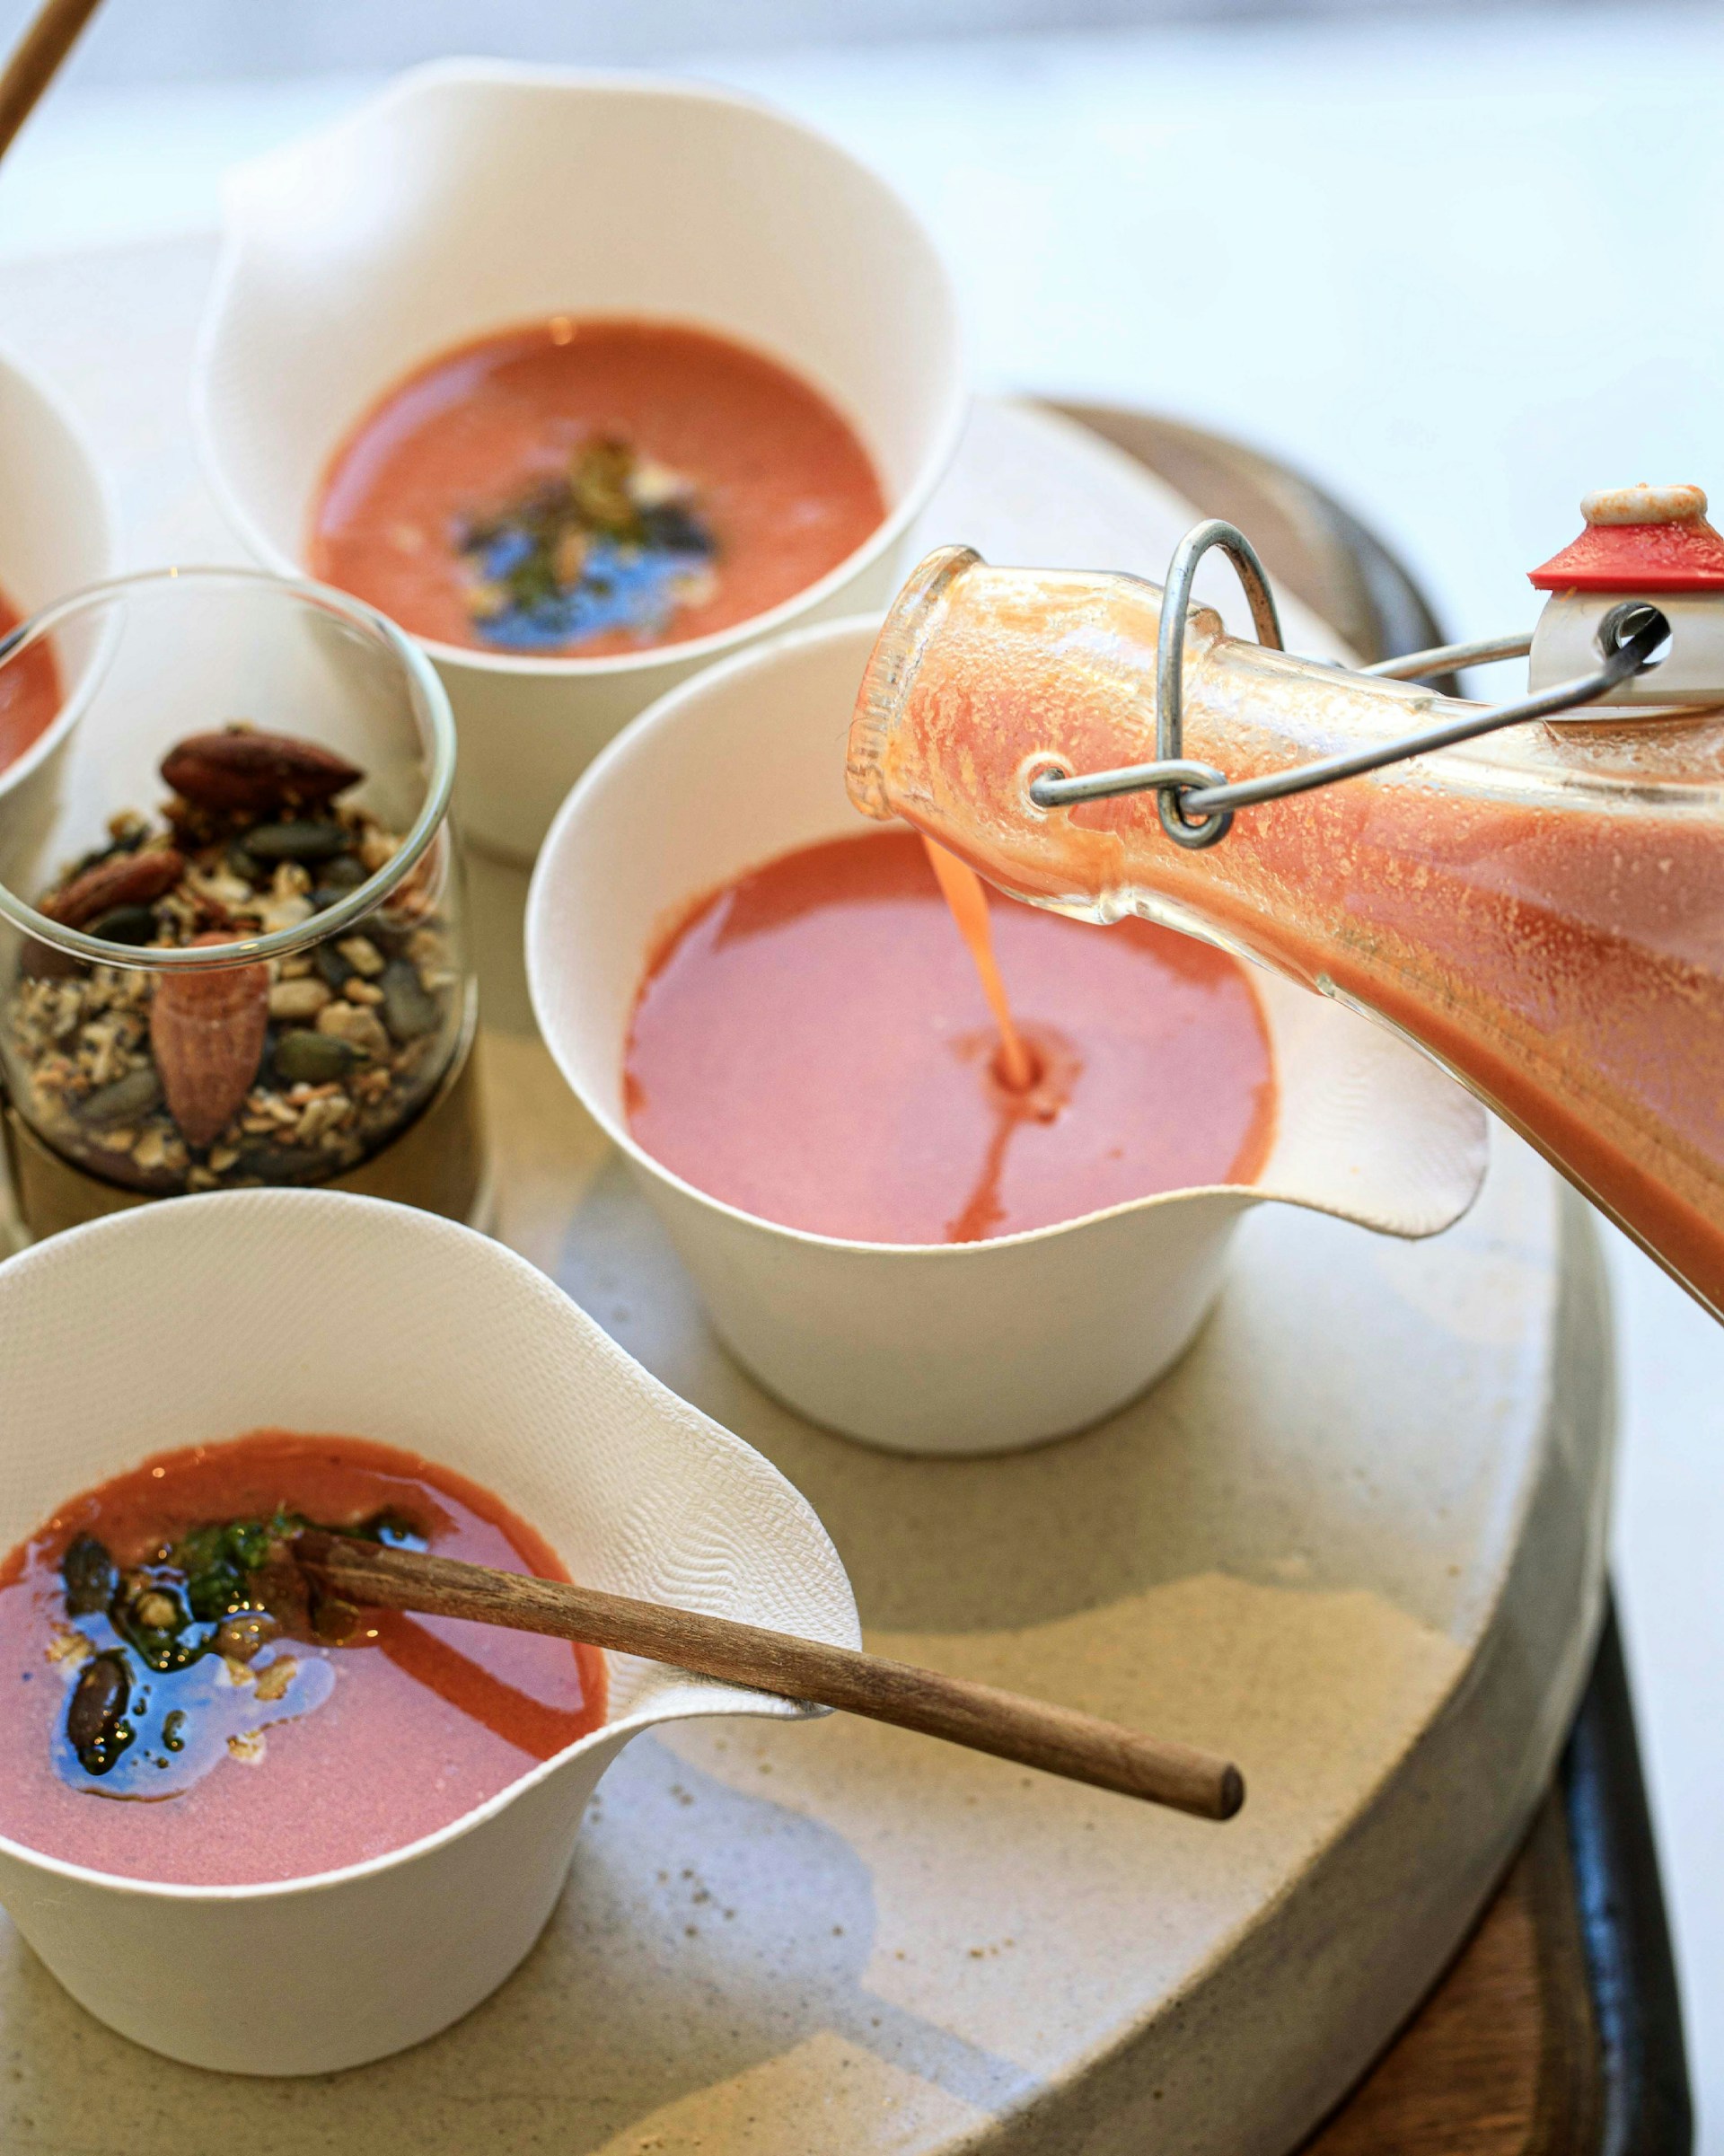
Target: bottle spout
[(885, 685)]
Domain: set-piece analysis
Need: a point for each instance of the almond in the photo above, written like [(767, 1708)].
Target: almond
[(124, 879), (240, 771), (206, 1031)]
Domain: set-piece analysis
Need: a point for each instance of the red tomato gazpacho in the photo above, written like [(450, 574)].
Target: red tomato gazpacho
[(589, 487), (813, 1045), (29, 690), (182, 1711)]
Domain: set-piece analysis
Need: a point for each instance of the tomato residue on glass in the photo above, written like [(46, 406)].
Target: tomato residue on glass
[(767, 484), (29, 690), (419, 1720), (812, 1045)]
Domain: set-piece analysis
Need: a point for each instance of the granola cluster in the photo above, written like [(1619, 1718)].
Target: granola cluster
[(289, 1073)]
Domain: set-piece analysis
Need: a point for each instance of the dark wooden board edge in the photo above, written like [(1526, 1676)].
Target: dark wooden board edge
[(1619, 1901), (1557, 2031)]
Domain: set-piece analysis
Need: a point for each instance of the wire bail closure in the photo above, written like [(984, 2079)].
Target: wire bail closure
[(1196, 802)]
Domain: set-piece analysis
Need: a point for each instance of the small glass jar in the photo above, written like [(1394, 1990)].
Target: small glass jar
[(230, 935)]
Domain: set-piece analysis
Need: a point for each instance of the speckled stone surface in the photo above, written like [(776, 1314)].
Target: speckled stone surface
[(1355, 1539)]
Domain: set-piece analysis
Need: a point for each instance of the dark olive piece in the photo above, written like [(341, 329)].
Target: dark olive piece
[(127, 1097), (124, 924), (309, 841), (95, 1723), (246, 864), (90, 1575)]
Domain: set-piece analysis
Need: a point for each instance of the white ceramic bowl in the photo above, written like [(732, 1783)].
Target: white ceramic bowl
[(57, 532), (473, 196), (207, 1316), (974, 1347)]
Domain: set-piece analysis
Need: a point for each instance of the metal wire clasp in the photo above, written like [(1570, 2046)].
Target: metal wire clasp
[(1196, 802)]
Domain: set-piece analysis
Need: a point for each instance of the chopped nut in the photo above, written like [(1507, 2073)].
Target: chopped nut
[(199, 1179), (155, 1611), (275, 1680), (377, 848), (356, 990), (222, 1158), (221, 887), (68, 1647), (162, 1149), (352, 1023), (362, 955), (296, 967), (248, 1747), (321, 1115), (298, 999), (292, 880), (239, 1638), (279, 913)]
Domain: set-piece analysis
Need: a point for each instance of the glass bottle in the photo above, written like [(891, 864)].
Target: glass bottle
[(1542, 910), (231, 932)]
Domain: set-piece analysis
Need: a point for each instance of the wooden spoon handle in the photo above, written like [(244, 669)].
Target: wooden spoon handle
[(1057, 1739), (36, 61)]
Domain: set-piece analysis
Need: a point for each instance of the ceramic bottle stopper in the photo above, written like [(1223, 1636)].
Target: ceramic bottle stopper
[(1641, 542)]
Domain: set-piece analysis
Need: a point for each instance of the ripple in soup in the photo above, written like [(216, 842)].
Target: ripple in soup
[(592, 486), (813, 1045)]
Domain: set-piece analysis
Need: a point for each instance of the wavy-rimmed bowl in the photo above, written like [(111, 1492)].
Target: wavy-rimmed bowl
[(204, 1318), (949, 1348), (58, 532), (471, 196)]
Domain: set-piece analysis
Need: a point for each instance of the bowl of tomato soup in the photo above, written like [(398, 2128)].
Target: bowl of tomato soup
[(767, 1005), (208, 1799), (56, 535), (584, 380)]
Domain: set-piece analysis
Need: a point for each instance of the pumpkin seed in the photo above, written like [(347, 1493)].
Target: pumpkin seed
[(410, 1012), (90, 1577), (95, 1722), (122, 1102), (314, 1058), (126, 924), (307, 840)]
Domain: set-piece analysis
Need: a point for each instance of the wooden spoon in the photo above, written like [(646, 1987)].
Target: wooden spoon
[(36, 61), (1057, 1739)]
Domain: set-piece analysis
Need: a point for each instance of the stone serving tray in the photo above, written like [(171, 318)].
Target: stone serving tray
[(1356, 1540)]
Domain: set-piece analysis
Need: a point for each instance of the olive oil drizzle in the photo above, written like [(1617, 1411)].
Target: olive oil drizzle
[(187, 1658)]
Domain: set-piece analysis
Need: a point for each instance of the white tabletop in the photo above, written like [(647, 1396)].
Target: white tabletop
[(1447, 266)]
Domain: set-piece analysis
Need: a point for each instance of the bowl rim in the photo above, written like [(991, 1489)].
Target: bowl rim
[(540, 943), (249, 180), (136, 1220), (108, 550)]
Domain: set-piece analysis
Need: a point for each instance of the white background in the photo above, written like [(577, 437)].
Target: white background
[(1462, 268)]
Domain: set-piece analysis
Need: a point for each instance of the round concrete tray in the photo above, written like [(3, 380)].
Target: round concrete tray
[(1356, 1540)]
